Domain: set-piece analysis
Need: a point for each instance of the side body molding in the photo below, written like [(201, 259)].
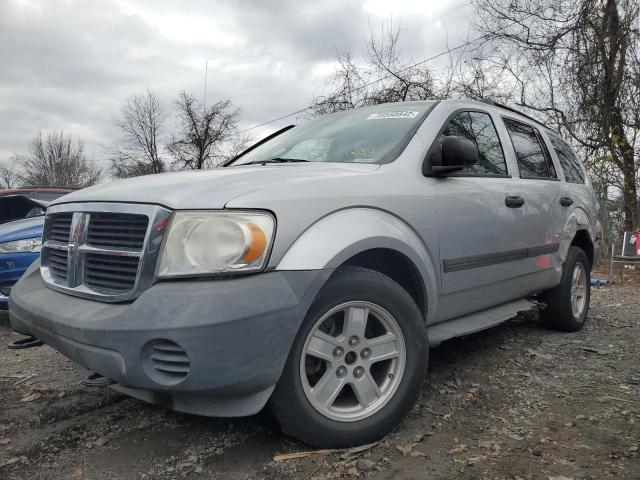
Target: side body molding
[(335, 238)]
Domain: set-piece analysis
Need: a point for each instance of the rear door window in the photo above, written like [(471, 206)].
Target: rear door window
[(532, 156), (573, 172), (478, 127)]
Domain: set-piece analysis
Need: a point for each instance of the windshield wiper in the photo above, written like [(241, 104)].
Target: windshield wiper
[(275, 160)]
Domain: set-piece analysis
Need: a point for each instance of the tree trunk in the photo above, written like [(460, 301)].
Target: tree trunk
[(628, 169), (630, 192)]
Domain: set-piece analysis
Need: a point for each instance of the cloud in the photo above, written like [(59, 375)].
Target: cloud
[(69, 64)]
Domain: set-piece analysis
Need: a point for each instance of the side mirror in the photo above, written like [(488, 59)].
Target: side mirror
[(450, 155)]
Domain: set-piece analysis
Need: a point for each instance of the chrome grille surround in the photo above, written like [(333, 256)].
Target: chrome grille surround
[(77, 249)]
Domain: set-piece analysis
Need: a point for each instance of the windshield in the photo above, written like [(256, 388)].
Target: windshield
[(366, 135)]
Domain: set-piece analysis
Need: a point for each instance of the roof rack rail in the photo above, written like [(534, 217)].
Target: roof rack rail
[(488, 101)]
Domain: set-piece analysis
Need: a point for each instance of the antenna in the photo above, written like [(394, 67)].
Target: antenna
[(204, 98)]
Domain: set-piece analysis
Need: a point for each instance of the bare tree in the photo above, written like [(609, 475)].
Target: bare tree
[(233, 147), (384, 76), (8, 176), (55, 160), (576, 63), (203, 133), (346, 87), (141, 122), (468, 77), (400, 78)]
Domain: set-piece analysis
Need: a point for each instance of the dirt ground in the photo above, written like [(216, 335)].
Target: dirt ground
[(514, 402)]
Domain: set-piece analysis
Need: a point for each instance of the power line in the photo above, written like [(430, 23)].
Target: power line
[(422, 62), (275, 120), (449, 50)]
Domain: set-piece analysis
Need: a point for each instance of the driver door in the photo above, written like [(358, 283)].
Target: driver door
[(481, 220)]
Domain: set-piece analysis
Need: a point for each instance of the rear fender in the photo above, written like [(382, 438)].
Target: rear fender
[(578, 220)]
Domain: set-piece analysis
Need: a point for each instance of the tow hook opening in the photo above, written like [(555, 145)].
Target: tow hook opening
[(95, 380), (26, 342)]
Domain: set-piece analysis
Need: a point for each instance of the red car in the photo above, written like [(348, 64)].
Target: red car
[(18, 205), (39, 193)]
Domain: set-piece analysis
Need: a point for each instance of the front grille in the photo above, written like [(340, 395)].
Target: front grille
[(57, 261), (101, 250), (108, 272), (121, 230), (58, 227)]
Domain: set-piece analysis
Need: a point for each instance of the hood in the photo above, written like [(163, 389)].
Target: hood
[(14, 207), (212, 188), (21, 229)]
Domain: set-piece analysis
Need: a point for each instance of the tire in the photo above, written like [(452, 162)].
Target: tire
[(359, 414), (559, 313)]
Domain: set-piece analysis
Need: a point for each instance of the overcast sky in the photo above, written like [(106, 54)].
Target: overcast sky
[(70, 64)]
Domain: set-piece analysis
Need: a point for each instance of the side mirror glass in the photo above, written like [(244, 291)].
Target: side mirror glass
[(451, 154)]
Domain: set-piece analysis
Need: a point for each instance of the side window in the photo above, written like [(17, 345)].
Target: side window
[(531, 153), (573, 172), (478, 127)]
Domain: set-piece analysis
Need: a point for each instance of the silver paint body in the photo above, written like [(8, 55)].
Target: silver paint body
[(326, 213)]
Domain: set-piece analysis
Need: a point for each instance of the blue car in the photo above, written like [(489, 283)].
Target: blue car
[(21, 223), (20, 243)]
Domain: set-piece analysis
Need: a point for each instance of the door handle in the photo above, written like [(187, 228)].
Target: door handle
[(514, 201), (566, 201)]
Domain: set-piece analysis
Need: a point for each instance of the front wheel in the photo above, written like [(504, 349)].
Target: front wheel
[(357, 364)]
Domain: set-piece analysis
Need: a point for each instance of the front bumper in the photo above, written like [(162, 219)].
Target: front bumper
[(235, 333)]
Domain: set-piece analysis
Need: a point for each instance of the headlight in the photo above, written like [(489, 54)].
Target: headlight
[(25, 245), (200, 242)]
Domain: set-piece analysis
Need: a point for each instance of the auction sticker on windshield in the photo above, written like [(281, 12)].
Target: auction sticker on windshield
[(386, 115)]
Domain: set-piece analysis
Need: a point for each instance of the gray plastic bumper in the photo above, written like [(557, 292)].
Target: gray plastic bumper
[(209, 347)]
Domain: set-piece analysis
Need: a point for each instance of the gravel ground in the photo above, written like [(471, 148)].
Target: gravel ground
[(514, 402)]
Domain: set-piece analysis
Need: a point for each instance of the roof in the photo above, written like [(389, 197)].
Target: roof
[(482, 103)]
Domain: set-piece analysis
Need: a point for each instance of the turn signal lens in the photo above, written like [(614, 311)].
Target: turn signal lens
[(258, 243)]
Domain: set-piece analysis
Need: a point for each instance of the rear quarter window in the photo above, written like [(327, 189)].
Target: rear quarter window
[(573, 171)]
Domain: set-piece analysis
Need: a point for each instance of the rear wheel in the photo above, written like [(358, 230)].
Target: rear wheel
[(567, 304), (357, 365)]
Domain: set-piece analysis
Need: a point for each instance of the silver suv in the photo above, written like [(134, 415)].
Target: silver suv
[(314, 271)]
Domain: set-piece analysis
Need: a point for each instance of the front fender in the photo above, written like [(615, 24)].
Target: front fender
[(335, 238)]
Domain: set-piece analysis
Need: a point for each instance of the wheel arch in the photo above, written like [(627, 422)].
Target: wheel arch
[(396, 266), (371, 238), (579, 232), (582, 239)]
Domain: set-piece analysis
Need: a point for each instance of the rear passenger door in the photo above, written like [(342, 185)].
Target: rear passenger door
[(577, 195), (480, 222), (545, 215)]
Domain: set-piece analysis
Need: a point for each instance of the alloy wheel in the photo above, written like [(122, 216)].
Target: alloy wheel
[(578, 290), (352, 361)]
